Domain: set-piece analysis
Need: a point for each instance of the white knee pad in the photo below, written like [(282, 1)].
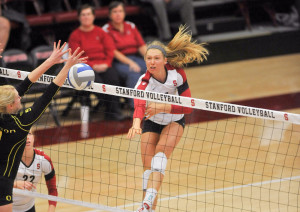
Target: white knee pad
[(159, 163), (146, 176)]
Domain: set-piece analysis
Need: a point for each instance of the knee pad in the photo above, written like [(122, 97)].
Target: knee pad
[(159, 163), (146, 176)]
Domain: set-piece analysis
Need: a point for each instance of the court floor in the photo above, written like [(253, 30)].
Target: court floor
[(232, 164)]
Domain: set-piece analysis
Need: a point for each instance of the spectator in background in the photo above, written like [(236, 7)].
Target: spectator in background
[(33, 165), (14, 12), (297, 5), (11, 117), (162, 7), (99, 47), (130, 46), (4, 31)]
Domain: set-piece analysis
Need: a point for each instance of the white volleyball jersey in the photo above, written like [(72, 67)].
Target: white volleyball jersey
[(175, 82), (40, 165)]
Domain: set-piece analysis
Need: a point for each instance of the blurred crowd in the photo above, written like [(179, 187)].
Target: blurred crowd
[(117, 48)]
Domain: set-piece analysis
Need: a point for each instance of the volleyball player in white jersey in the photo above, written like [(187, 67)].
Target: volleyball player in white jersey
[(34, 164), (163, 124)]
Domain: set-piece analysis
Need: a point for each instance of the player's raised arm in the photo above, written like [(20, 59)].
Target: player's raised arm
[(72, 60), (55, 58)]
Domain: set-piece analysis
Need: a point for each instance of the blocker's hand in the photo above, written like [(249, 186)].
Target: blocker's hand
[(75, 57), (57, 53)]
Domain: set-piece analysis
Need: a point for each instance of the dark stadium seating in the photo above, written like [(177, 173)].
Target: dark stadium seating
[(71, 16)]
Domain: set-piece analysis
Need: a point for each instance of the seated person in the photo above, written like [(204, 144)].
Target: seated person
[(130, 46), (13, 14), (4, 31), (99, 47), (163, 7)]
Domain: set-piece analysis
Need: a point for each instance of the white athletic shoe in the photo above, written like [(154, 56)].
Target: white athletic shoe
[(147, 206), (140, 209)]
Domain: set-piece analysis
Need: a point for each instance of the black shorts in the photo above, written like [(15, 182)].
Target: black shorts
[(31, 209), (150, 126), (6, 188)]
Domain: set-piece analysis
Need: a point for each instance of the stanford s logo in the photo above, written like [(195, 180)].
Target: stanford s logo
[(175, 82), (286, 117), (193, 102), (103, 88)]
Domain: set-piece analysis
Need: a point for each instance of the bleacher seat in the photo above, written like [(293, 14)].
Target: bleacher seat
[(40, 20), (39, 54), (17, 59), (204, 3), (100, 13)]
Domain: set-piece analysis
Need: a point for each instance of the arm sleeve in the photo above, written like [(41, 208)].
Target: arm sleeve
[(139, 104), (24, 86), (139, 108), (51, 185), (183, 90), (32, 114), (50, 179)]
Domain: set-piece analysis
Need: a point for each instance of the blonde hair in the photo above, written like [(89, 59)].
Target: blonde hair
[(7, 96), (181, 50)]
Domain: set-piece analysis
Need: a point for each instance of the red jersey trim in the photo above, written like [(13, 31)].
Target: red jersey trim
[(139, 104), (51, 183)]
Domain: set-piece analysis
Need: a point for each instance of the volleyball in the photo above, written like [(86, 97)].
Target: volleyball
[(81, 76)]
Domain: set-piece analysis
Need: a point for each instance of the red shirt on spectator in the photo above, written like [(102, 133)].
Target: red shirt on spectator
[(127, 42), (97, 44)]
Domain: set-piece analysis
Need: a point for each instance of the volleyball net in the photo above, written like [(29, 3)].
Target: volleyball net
[(230, 158)]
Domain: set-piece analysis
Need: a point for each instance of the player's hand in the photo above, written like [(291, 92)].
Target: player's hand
[(154, 108), (51, 208), (24, 185), (74, 57), (132, 131), (57, 53), (135, 129)]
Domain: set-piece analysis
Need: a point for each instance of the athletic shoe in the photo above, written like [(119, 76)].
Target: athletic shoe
[(140, 209), (147, 206)]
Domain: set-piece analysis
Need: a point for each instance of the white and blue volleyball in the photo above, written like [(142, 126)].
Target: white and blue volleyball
[(81, 76)]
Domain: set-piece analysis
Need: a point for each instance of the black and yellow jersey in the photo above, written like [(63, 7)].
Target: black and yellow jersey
[(15, 127)]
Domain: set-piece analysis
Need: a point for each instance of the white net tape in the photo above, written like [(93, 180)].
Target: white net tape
[(201, 104)]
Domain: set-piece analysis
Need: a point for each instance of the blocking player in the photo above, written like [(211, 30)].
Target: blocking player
[(15, 124)]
